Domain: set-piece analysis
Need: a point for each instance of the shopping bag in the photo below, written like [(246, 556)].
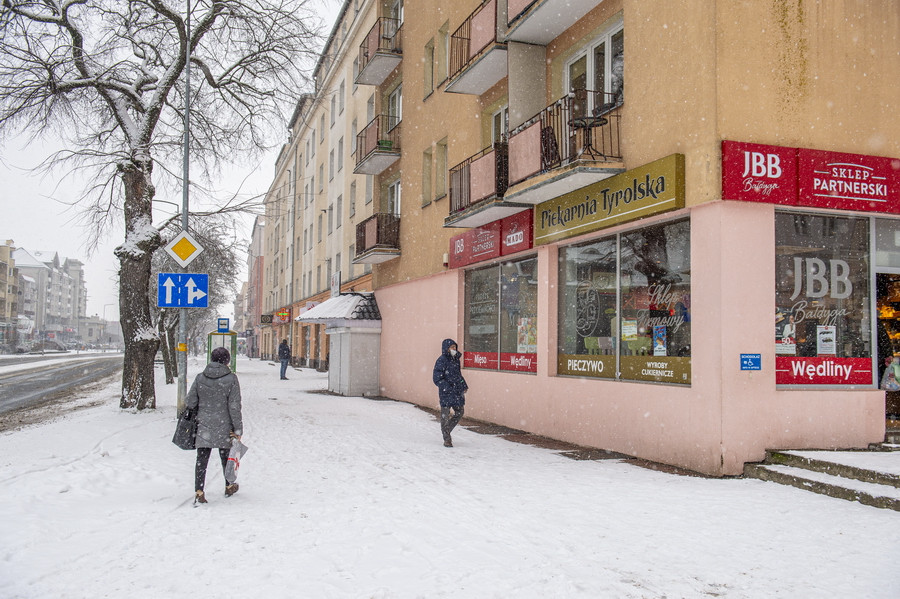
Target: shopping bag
[(237, 451), (186, 429), (889, 381)]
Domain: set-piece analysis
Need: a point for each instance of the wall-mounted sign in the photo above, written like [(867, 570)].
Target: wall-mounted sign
[(758, 173), (823, 371), (751, 361), (499, 238), (265, 319), (814, 178), (282, 316), (650, 189)]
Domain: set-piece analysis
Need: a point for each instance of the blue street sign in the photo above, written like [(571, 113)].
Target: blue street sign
[(223, 326), (751, 361), (182, 290)]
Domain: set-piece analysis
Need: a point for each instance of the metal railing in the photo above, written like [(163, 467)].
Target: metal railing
[(461, 50), (461, 178), (385, 36), (583, 125), (381, 230), (382, 134)]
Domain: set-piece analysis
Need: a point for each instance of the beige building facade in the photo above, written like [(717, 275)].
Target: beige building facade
[(664, 229)]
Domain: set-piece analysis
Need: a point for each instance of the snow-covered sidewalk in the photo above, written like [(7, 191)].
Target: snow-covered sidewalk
[(349, 497)]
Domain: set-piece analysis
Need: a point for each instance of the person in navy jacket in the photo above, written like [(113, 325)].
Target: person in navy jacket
[(451, 386)]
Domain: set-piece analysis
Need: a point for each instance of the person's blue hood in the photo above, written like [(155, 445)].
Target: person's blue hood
[(445, 345)]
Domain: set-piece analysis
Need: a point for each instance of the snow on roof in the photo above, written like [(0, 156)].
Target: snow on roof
[(25, 260), (346, 306)]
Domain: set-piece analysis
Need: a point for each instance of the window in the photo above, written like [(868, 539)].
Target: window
[(342, 97), (395, 107), (322, 125), (442, 53), (331, 165), (599, 68), (310, 237), (330, 218), (320, 228), (340, 211), (396, 11), (369, 188), (307, 152), (337, 263), (440, 169), (305, 240), (354, 129), (624, 306), (393, 197), (351, 253), (313, 147), (426, 177), (333, 109), (500, 125), (312, 187), (318, 278), (340, 155), (328, 272), (428, 66), (321, 177), (822, 306), (501, 316), (352, 200)]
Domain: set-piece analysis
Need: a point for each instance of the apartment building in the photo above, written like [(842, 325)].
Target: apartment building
[(663, 229), (9, 294), (317, 198), (60, 303)]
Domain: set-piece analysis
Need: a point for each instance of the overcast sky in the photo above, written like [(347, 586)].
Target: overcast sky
[(37, 217)]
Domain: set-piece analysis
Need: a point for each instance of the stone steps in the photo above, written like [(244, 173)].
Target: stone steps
[(830, 477)]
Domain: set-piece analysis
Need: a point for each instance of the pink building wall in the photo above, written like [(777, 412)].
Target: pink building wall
[(725, 418)]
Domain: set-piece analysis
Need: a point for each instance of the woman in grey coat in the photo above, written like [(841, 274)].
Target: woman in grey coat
[(216, 395)]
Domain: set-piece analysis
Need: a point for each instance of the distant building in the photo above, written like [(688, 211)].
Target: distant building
[(9, 292), (60, 294)]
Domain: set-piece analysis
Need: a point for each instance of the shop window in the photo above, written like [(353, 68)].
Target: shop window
[(624, 306), (823, 333), (501, 317)]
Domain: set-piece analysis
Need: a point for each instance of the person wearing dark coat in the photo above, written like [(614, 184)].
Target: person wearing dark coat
[(284, 354), (216, 398), (451, 386)]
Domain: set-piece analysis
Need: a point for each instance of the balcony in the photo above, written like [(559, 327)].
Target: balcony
[(477, 185), (378, 145), (542, 21), (380, 52), (570, 144), (378, 239), (477, 54)]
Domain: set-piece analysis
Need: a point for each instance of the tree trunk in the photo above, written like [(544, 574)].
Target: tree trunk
[(141, 240), (172, 341)]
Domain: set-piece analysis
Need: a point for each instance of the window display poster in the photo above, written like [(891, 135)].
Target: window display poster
[(527, 336), (825, 340), (785, 333), (659, 340), (629, 330)]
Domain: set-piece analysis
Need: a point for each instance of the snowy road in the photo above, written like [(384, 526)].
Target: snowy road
[(348, 497), (41, 379)]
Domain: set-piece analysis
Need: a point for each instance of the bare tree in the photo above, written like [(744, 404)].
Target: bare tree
[(107, 76)]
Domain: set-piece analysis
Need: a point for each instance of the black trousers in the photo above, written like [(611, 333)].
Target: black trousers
[(448, 423), (203, 461)]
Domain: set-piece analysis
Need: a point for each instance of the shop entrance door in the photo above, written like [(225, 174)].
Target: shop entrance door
[(887, 307)]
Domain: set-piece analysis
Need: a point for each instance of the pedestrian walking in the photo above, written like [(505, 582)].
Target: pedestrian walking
[(284, 354), (452, 388), (216, 397)]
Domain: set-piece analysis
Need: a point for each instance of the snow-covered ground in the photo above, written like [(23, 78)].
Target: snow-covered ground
[(349, 497)]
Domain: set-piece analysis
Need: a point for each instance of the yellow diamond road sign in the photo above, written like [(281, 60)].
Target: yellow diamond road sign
[(184, 248)]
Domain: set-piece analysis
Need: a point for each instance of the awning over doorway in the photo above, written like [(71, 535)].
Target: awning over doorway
[(347, 309)]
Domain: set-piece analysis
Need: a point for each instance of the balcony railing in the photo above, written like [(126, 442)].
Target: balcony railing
[(477, 56), (380, 52), (378, 145), (482, 176), (378, 238), (584, 125)]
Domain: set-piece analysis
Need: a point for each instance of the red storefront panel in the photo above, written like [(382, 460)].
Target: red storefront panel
[(822, 371), (517, 233), (848, 181), (475, 245), (480, 359), (759, 173), (518, 362)]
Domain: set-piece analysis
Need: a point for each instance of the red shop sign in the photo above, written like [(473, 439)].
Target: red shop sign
[(517, 233), (759, 173), (475, 245), (791, 370), (518, 362), (848, 181), (480, 359)]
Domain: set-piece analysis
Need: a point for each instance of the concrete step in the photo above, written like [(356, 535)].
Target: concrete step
[(873, 494), (829, 463)]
